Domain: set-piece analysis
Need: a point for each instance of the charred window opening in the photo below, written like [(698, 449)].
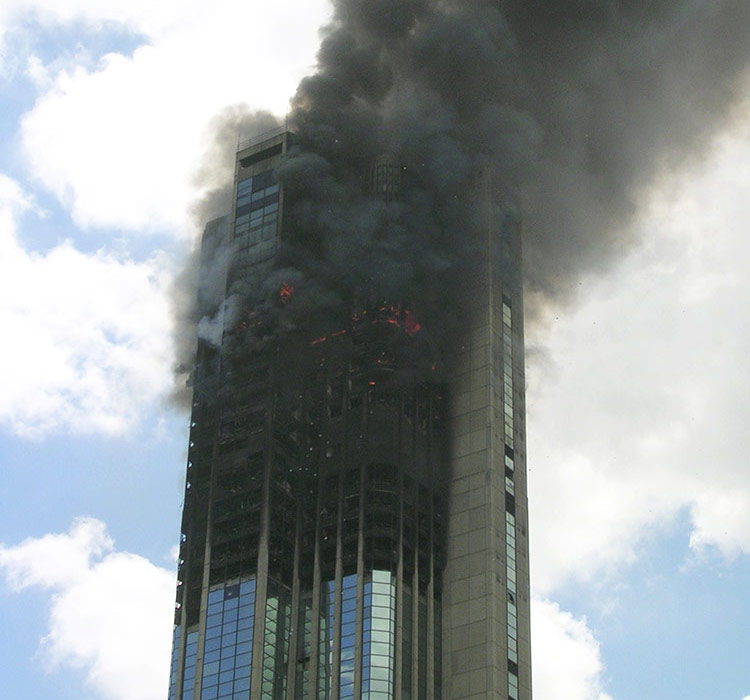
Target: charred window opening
[(259, 157)]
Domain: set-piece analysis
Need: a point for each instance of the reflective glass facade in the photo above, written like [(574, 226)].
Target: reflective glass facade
[(228, 642), (191, 655), (378, 637), (174, 666), (257, 212), (510, 519)]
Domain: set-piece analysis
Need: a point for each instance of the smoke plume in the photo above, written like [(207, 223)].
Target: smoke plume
[(198, 293), (575, 105)]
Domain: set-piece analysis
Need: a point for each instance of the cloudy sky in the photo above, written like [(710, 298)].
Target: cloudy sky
[(637, 387)]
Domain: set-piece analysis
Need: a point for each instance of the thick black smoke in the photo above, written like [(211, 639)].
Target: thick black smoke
[(576, 106), (621, 92)]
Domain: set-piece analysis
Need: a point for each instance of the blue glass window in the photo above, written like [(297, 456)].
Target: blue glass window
[(256, 213), (173, 669), (191, 652), (227, 657), (378, 635)]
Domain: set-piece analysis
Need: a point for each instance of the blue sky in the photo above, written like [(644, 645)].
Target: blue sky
[(637, 391)]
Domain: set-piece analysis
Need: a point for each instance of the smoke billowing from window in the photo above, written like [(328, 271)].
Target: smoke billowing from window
[(575, 105)]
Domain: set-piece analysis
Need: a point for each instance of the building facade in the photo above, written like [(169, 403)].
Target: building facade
[(348, 531)]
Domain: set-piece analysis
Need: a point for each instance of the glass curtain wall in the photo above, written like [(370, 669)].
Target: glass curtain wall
[(228, 645)]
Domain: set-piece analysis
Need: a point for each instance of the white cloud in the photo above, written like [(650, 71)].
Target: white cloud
[(641, 393), (139, 15), (566, 660), (110, 612), (117, 139), (86, 340), (119, 143), (55, 559)]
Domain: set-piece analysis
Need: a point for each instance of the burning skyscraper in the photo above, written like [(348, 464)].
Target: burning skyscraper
[(355, 520)]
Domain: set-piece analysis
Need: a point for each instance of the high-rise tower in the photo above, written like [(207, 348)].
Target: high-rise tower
[(353, 526)]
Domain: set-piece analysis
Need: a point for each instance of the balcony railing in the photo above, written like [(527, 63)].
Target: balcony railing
[(263, 136)]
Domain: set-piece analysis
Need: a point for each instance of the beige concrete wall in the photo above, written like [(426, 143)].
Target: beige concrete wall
[(475, 646)]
